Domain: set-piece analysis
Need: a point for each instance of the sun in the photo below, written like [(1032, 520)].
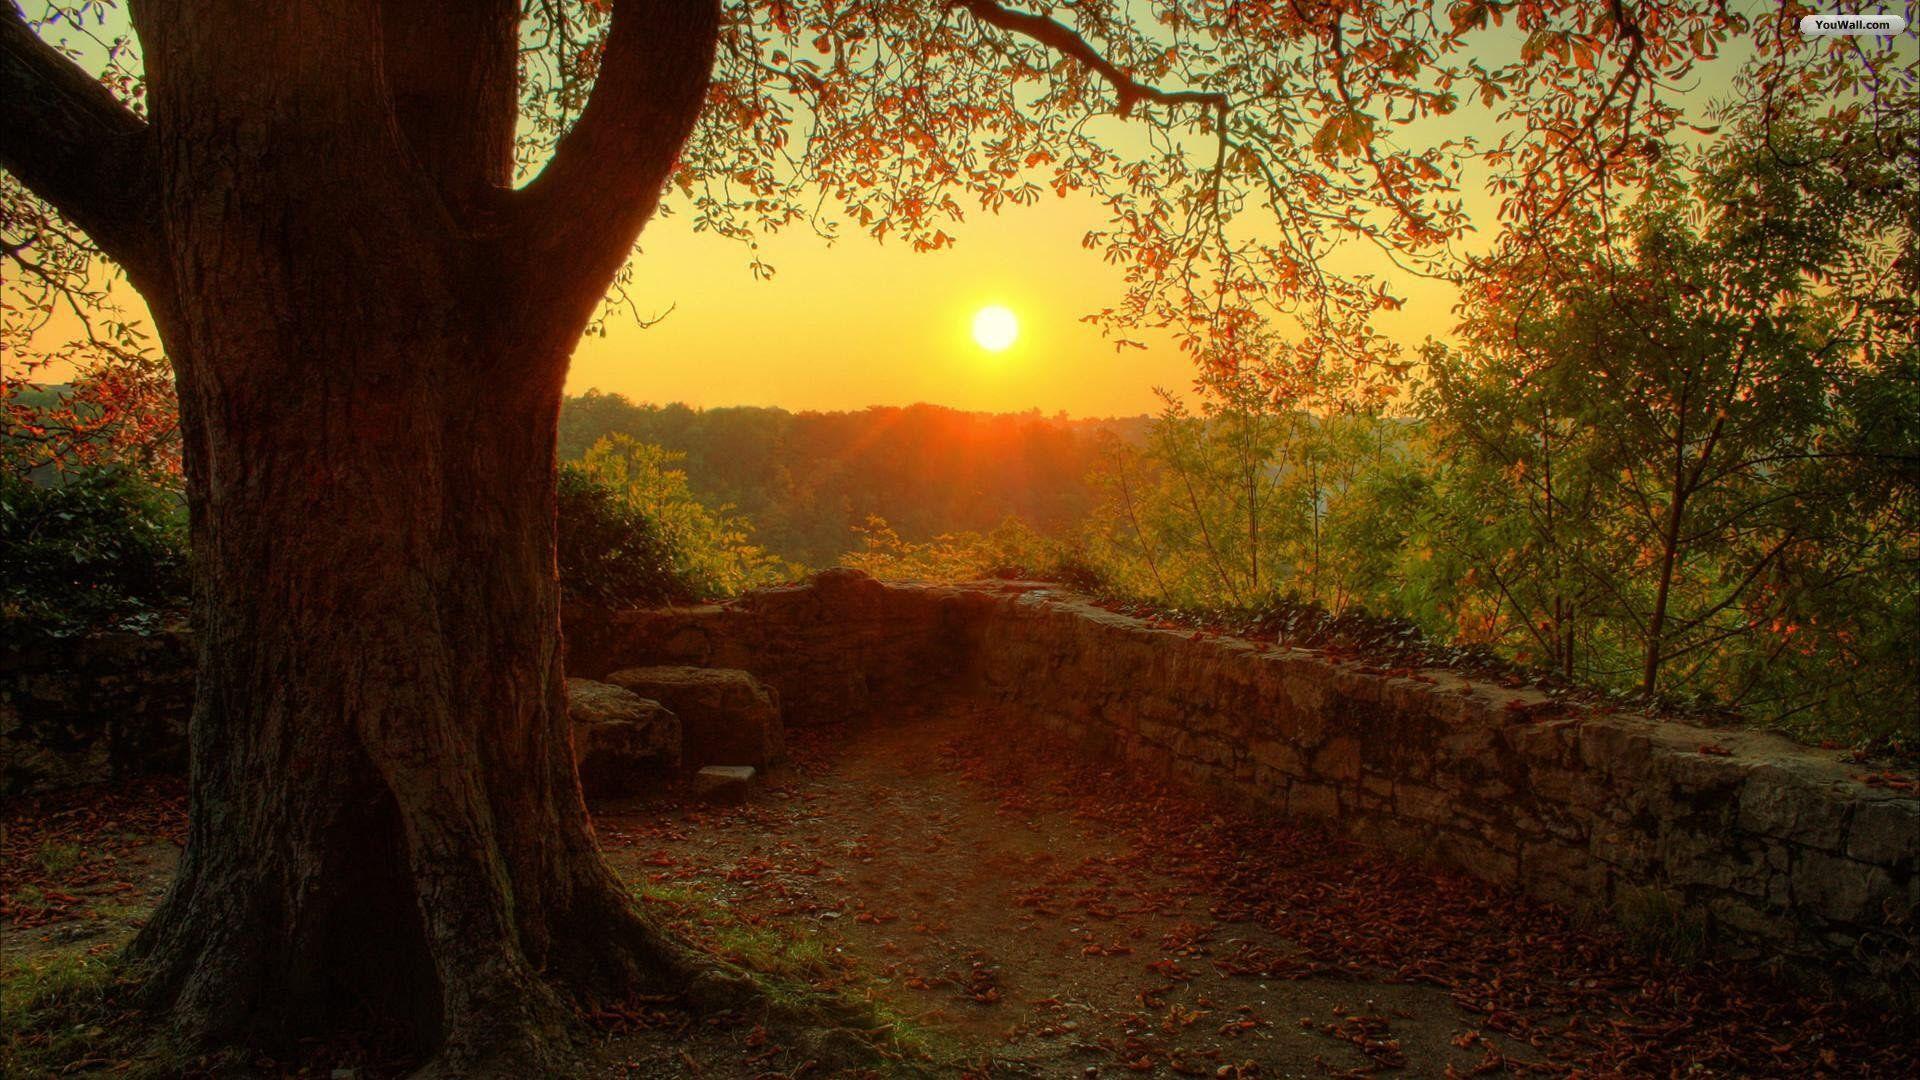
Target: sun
[(995, 328)]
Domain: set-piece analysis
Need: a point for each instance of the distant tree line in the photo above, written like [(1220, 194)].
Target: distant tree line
[(808, 481)]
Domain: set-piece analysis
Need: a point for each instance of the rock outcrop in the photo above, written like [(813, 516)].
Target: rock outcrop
[(840, 644), (619, 737), (728, 785), (727, 717)]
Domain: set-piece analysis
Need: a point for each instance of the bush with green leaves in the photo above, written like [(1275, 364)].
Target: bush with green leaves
[(1011, 550), (710, 549), (101, 548), (609, 552)]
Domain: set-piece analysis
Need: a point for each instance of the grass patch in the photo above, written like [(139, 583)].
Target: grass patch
[(843, 1021), (672, 896), (1656, 922), (117, 914), (57, 858), (65, 1013), (768, 951)]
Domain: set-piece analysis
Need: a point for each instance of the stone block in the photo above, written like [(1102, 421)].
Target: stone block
[(1745, 921), (1338, 760), (1279, 756), (1777, 802), (1842, 890), (1886, 831), (1751, 868), (1563, 873), (727, 717), (1423, 804), (1615, 748), (1538, 741), (619, 737), (1576, 786), (1477, 857), (1621, 845), (1313, 801)]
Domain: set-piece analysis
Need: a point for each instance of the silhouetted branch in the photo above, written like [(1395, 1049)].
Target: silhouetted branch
[(1064, 41), (71, 143)]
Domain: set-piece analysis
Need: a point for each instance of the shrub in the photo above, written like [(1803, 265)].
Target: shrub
[(610, 552), (102, 548), (710, 547)]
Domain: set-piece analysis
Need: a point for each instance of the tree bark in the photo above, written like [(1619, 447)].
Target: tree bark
[(370, 332), (385, 817), (1655, 651)]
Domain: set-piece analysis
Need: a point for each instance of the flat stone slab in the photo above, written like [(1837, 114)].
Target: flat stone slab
[(727, 717), (724, 783), (619, 737)]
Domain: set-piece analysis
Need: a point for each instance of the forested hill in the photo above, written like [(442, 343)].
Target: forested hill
[(806, 479)]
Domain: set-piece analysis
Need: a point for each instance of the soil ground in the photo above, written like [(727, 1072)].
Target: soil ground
[(990, 903)]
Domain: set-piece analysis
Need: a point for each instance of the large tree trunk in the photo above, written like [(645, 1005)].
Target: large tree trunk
[(386, 818), (370, 335)]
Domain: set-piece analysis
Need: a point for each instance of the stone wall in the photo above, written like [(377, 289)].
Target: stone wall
[(1783, 851), (99, 707)]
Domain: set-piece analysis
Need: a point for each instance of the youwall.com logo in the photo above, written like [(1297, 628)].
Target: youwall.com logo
[(1875, 25)]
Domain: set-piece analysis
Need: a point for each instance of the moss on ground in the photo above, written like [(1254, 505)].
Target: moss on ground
[(825, 1003), (67, 1013)]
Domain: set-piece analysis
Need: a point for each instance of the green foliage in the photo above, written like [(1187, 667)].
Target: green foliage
[(1250, 501), (99, 548), (63, 1012), (609, 552), (57, 858), (799, 984), (1672, 454), (708, 549), (1664, 454), (1011, 550)]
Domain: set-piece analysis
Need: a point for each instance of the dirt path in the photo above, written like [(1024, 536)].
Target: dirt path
[(1018, 910), (996, 905), (1003, 931)]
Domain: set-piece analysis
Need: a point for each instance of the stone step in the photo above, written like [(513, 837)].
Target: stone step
[(726, 784)]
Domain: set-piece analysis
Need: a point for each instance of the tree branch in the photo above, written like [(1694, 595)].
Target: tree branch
[(71, 143), (1067, 43), (575, 224)]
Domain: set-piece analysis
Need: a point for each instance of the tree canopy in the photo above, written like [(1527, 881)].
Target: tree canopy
[(1237, 148)]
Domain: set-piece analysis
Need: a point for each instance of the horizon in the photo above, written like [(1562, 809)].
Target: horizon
[(1057, 415)]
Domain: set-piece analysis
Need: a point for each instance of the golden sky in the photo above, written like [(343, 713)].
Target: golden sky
[(860, 323)]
